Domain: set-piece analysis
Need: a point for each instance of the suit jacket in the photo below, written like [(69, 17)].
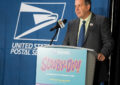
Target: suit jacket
[(98, 37)]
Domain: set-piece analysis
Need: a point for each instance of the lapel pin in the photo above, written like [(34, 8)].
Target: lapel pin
[(91, 24)]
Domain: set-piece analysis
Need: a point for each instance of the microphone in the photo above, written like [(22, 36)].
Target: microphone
[(60, 24)]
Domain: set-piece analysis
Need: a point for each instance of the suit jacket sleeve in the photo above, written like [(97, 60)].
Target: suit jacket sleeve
[(107, 40)]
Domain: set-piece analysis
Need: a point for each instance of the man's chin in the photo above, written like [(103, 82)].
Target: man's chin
[(79, 16)]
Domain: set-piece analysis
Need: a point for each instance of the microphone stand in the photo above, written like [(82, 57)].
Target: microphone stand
[(54, 36)]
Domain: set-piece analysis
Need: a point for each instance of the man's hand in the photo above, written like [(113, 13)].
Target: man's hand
[(101, 57)]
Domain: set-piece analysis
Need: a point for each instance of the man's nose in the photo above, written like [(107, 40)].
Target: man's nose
[(76, 8)]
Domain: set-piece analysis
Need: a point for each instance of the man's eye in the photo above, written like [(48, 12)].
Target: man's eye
[(78, 6)]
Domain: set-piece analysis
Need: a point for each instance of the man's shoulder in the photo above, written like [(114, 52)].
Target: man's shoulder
[(100, 17)]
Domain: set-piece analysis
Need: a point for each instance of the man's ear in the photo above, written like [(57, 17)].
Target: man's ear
[(88, 6)]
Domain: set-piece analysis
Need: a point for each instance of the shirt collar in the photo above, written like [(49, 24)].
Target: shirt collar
[(88, 18)]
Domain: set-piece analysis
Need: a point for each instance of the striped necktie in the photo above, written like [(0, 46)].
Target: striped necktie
[(81, 35)]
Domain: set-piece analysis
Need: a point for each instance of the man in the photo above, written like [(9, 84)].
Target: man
[(96, 36)]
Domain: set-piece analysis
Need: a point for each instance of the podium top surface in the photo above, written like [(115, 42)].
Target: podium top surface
[(64, 46)]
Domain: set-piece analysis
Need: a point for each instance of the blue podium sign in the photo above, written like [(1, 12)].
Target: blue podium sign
[(61, 66)]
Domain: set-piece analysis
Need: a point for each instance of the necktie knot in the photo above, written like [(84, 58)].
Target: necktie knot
[(84, 22)]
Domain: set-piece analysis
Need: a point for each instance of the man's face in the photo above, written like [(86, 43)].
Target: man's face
[(81, 9)]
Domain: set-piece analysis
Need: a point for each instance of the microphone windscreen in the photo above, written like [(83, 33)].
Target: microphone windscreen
[(64, 21)]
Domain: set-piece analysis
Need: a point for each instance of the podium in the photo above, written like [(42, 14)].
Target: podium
[(65, 65)]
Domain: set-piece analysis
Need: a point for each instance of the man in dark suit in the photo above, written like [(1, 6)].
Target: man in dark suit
[(97, 36)]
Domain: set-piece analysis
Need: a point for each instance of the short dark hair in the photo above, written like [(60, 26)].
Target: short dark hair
[(88, 2)]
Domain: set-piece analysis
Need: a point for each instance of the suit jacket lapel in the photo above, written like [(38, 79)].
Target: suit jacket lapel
[(76, 26), (90, 26)]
